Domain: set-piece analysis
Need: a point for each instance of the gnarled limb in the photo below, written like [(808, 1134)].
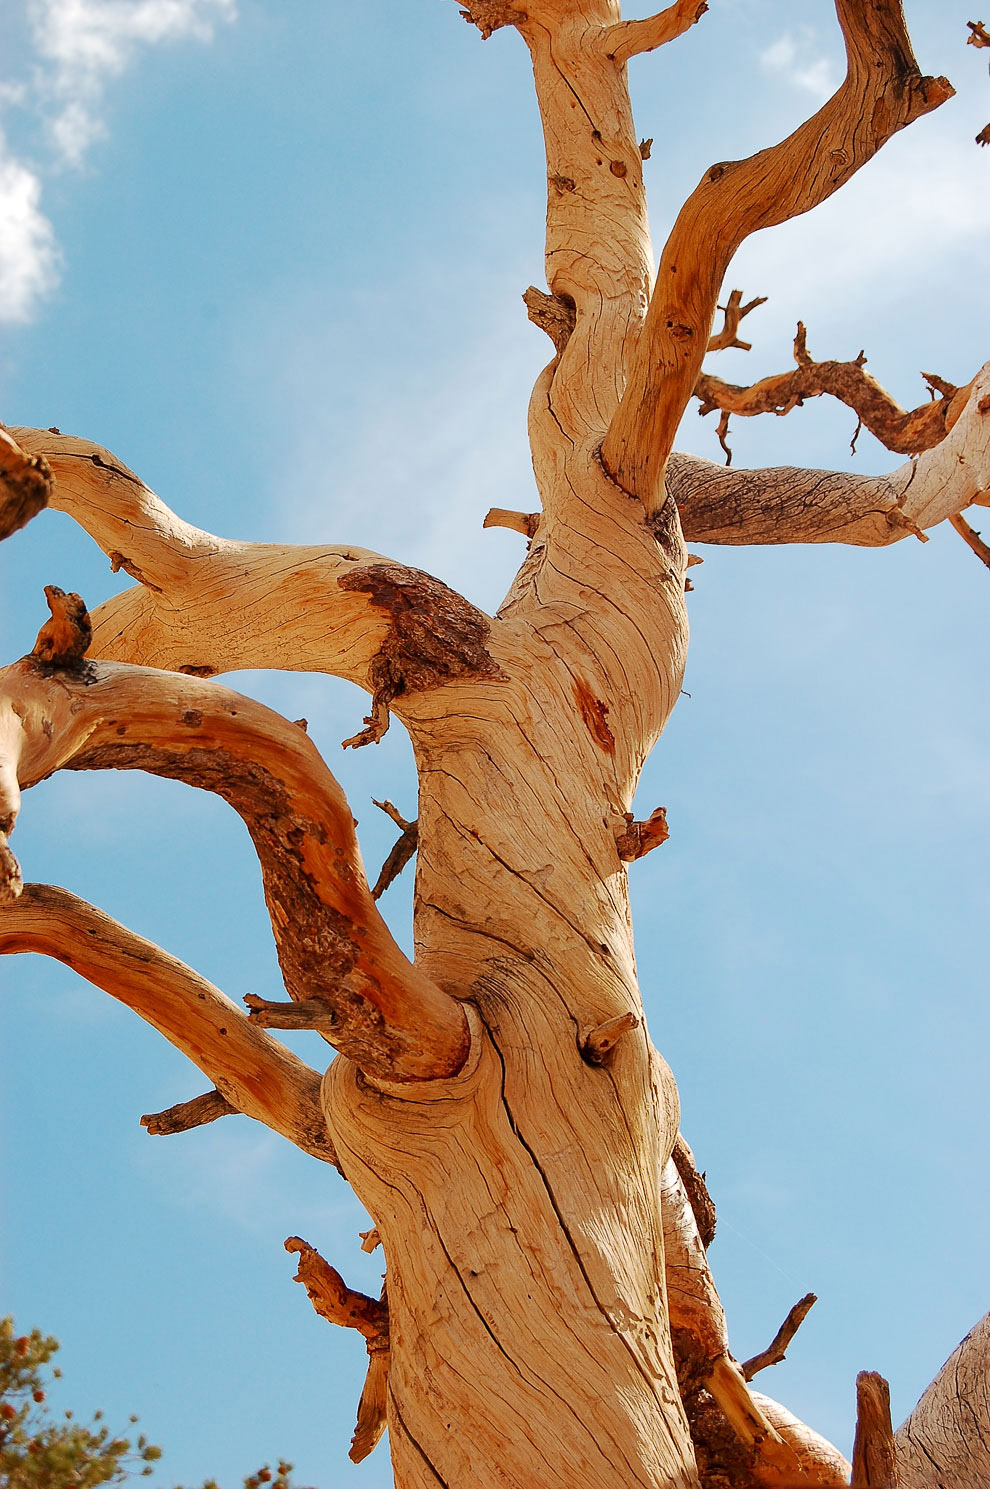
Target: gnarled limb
[(207, 605), (340, 1304), (25, 485), (332, 943), (785, 505), (882, 92), (944, 1443), (252, 1071), (902, 431), (630, 38)]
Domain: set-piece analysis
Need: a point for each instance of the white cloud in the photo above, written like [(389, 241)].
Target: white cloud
[(798, 61), (82, 44), (79, 46), (29, 255)]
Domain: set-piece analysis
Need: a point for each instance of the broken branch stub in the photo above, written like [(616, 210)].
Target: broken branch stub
[(186, 1115), (332, 943), (874, 1461)]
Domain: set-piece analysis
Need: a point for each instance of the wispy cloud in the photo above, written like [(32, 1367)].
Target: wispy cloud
[(76, 48), (82, 44), (799, 61), (29, 256)]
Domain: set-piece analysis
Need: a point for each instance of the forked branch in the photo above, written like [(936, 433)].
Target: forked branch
[(251, 1071), (883, 91), (733, 312), (333, 945)]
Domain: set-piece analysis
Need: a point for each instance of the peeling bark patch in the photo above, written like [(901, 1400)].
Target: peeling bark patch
[(435, 636), (595, 715), (317, 943)]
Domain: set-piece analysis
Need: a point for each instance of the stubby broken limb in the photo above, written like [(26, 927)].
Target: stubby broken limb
[(874, 1463), (882, 92), (332, 943), (340, 1304), (186, 1115), (253, 1072), (787, 505), (25, 485)]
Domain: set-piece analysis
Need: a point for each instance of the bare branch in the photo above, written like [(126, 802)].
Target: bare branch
[(332, 943), (980, 35), (340, 1304), (630, 38), (733, 312), (776, 1350), (905, 433), (971, 536), (402, 850), (883, 91), (186, 1115), (25, 485), (786, 505), (874, 1462), (253, 1072)]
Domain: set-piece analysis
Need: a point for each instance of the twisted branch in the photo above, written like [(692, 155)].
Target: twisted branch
[(902, 431)]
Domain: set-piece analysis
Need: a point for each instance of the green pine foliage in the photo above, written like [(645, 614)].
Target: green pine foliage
[(40, 1451)]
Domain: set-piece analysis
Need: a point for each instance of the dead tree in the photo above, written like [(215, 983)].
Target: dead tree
[(497, 1104)]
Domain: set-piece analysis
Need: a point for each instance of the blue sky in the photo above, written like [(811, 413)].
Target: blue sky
[(271, 255)]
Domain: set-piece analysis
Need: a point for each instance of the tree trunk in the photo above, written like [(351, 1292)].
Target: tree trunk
[(945, 1442)]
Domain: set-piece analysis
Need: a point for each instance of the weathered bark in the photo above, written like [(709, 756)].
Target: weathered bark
[(498, 1105), (945, 1442)]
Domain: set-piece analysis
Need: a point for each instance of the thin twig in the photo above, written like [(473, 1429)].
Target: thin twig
[(402, 850), (971, 536), (776, 1350)]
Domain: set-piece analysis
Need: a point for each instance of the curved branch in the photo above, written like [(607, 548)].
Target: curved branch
[(333, 945), (207, 605), (883, 91), (946, 1439), (630, 38), (902, 431), (256, 1074), (786, 505)]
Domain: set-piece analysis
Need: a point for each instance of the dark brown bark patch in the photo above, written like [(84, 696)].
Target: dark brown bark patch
[(665, 526), (435, 637), (595, 715)]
